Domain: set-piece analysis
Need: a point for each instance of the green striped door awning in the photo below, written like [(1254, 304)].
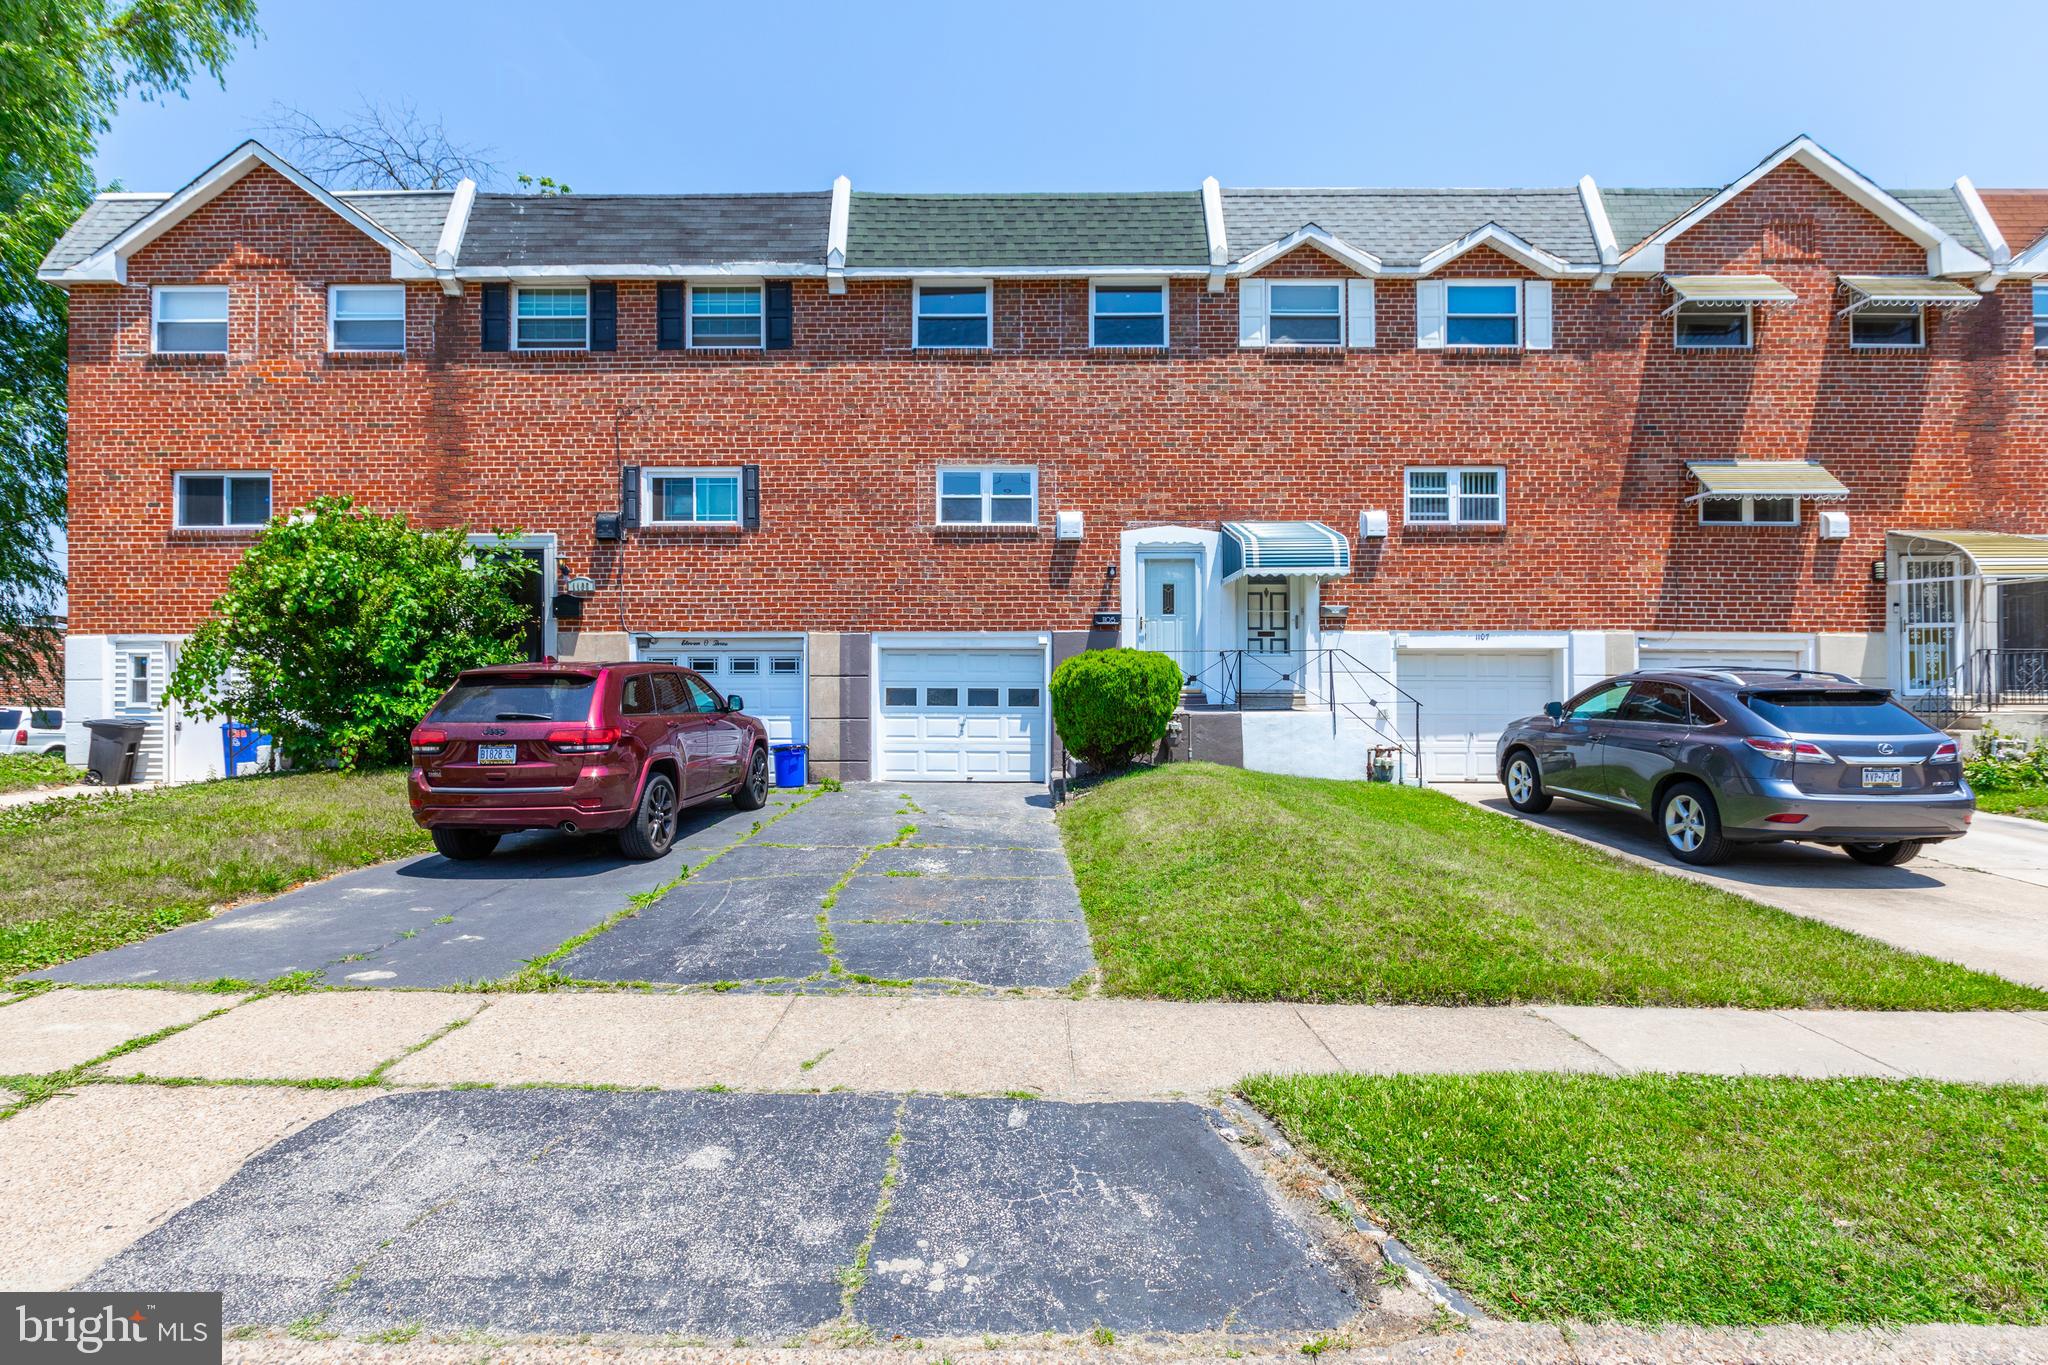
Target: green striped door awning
[(1289, 549)]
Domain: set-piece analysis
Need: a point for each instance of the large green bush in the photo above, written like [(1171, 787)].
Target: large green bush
[(341, 627), (2017, 768), (1110, 705)]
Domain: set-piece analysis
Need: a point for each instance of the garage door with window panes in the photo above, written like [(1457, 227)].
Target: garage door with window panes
[(1468, 698), (768, 675), (962, 715)]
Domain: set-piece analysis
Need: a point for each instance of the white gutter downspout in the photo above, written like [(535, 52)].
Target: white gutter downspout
[(835, 236), (449, 248), (1603, 232), (1219, 242), (1987, 227)]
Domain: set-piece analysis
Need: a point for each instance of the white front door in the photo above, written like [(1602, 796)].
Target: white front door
[(1167, 621), (961, 715), (1272, 637), (1468, 697), (1931, 619)]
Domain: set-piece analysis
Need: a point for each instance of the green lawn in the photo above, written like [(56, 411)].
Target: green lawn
[(1210, 883), (1704, 1200), (25, 772), (2031, 802), (79, 874)]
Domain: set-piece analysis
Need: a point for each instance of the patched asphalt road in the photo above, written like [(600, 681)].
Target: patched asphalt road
[(743, 1215), (945, 884)]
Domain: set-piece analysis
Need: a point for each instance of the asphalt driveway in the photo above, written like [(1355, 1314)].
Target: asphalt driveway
[(563, 1212), (942, 884), (1981, 900)]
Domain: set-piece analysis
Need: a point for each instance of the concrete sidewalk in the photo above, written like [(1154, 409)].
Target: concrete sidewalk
[(1055, 1048)]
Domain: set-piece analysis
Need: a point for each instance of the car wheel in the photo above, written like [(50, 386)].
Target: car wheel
[(1525, 784), (1691, 825), (653, 827), (752, 794), (1884, 855), (464, 845)]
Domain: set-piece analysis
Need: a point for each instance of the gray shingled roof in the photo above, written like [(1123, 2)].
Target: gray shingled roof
[(1945, 211), (412, 216), (646, 229), (915, 231), (1401, 226), (1637, 213)]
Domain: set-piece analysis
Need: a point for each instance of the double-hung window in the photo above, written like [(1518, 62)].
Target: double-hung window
[(222, 502), (1127, 315), (1696, 327), (552, 319), (725, 315), (1887, 327), (1457, 497), (988, 497), (1749, 511), (692, 497), (1305, 313), (2041, 317), (952, 315), (189, 319), (366, 317), (1482, 313)]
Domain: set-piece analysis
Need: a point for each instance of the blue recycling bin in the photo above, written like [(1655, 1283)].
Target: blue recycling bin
[(789, 764), (241, 744)]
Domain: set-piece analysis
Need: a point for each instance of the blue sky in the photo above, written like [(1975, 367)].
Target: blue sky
[(979, 96)]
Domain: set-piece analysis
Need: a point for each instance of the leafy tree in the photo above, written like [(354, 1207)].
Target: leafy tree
[(64, 66), (341, 627), (1110, 705)]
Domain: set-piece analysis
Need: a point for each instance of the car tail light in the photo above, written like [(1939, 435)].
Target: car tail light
[(1791, 750), (586, 739), (1945, 752), (427, 743), (1784, 817), (21, 737)]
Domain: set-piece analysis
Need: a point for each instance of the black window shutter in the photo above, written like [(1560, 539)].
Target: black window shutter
[(777, 308), (604, 317), (668, 317), (750, 497), (496, 326), (629, 497)]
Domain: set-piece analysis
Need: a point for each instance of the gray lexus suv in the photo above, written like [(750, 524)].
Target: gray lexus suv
[(1715, 758)]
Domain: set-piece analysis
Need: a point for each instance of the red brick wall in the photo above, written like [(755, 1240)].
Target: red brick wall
[(849, 426)]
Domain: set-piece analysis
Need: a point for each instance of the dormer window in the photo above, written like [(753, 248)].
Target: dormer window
[(1305, 313)]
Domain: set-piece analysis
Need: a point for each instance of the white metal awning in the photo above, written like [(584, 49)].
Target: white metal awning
[(1288, 549), (1905, 291), (1765, 479), (1726, 291), (1999, 556)]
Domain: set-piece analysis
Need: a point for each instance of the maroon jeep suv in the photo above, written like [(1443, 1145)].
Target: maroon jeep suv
[(579, 747)]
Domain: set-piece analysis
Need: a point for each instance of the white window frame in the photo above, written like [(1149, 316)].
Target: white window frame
[(1343, 321), (1748, 328), (2040, 316), (227, 500), (335, 290), (156, 319), (1454, 494), (1165, 313), (760, 341), (988, 312), (1919, 342), (1749, 503), (519, 344), (1521, 316), (984, 471), (650, 506)]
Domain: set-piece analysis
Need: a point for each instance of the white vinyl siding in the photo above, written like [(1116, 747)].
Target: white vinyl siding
[(366, 317), (1456, 496), (189, 319), (551, 319)]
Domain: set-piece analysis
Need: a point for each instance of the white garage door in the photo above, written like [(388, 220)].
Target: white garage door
[(1680, 656), (961, 715), (767, 673), (1467, 700)]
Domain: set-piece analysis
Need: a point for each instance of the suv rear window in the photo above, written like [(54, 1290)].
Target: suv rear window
[(9, 719), (46, 720), (553, 697), (1835, 713)]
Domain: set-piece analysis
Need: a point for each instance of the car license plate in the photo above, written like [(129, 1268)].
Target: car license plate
[(506, 753), (1882, 777)]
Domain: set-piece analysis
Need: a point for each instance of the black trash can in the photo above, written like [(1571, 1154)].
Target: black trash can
[(111, 760)]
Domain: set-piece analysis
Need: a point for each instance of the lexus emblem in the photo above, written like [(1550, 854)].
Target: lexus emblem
[(1884, 748), (499, 730)]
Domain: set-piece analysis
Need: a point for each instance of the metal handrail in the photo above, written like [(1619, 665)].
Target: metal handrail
[(1225, 676)]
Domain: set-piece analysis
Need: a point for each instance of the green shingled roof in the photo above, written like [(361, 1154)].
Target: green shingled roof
[(936, 231)]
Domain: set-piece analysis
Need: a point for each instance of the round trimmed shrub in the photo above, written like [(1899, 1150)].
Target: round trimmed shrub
[(1110, 705)]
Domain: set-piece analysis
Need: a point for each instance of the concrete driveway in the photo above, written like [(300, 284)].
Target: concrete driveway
[(1981, 900), (945, 884)]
